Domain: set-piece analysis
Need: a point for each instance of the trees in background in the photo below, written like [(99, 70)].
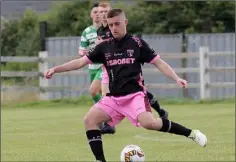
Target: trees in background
[(188, 16), (21, 37)]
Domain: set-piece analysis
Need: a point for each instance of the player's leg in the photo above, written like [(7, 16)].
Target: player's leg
[(104, 127), (156, 106), (101, 112), (138, 111), (148, 121), (95, 90), (91, 121), (95, 87)]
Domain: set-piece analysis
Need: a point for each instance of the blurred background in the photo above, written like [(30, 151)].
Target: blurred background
[(36, 35)]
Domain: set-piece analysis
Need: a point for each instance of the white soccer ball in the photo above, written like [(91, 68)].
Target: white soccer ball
[(132, 153)]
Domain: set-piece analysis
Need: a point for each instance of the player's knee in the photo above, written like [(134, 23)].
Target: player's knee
[(148, 125), (93, 91), (104, 93), (151, 125), (89, 122), (86, 120)]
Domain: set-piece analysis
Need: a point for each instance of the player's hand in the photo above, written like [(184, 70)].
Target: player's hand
[(98, 41), (49, 73), (83, 52), (181, 82)]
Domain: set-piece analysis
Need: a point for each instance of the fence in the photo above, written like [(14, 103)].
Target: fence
[(172, 44), (46, 87), (216, 42)]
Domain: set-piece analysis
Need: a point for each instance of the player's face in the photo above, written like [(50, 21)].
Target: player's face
[(95, 15), (103, 12), (117, 25)]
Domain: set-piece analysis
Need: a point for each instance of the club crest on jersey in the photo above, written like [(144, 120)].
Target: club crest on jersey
[(130, 52)]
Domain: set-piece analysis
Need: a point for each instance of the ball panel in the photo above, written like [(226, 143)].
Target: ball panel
[(132, 153)]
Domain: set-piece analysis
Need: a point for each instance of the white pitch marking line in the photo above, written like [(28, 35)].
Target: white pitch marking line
[(156, 139)]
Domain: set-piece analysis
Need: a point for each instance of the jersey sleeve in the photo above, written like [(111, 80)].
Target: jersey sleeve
[(148, 55), (95, 54), (84, 43)]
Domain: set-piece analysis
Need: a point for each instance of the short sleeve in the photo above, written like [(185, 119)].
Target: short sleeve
[(84, 43), (95, 54), (148, 55)]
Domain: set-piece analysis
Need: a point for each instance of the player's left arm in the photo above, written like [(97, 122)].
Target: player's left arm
[(165, 69), (148, 55)]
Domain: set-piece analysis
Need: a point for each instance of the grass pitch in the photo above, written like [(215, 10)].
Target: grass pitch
[(55, 132)]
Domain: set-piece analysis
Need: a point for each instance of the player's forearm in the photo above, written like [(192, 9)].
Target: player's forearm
[(105, 89), (167, 70), (69, 66)]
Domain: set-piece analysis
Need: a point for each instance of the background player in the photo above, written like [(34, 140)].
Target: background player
[(88, 37), (104, 33)]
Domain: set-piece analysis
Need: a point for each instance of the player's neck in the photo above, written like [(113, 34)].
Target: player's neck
[(104, 24), (96, 24), (121, 37)]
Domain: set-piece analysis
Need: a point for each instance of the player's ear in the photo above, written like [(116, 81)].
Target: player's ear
[(126, 22)]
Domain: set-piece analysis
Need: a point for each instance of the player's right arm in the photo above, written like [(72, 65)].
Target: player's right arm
[(94, 55), (84, 43), (99, 40), (69, 66)]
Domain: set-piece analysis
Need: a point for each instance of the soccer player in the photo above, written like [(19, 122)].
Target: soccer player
[(88, 37), (104, 33), (122, 58)]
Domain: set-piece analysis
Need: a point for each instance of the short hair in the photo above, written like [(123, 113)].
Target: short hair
[(104, 4), (94, 5), (114, 12)]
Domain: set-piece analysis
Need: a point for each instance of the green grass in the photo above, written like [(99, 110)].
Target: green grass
[(54, 132)]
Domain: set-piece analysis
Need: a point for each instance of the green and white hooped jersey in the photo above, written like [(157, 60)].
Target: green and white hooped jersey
[(88, 38)]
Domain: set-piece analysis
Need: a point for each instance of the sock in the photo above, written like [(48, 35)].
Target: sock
[(97, 98), (154, 104), (95, 142), (172, 127)]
